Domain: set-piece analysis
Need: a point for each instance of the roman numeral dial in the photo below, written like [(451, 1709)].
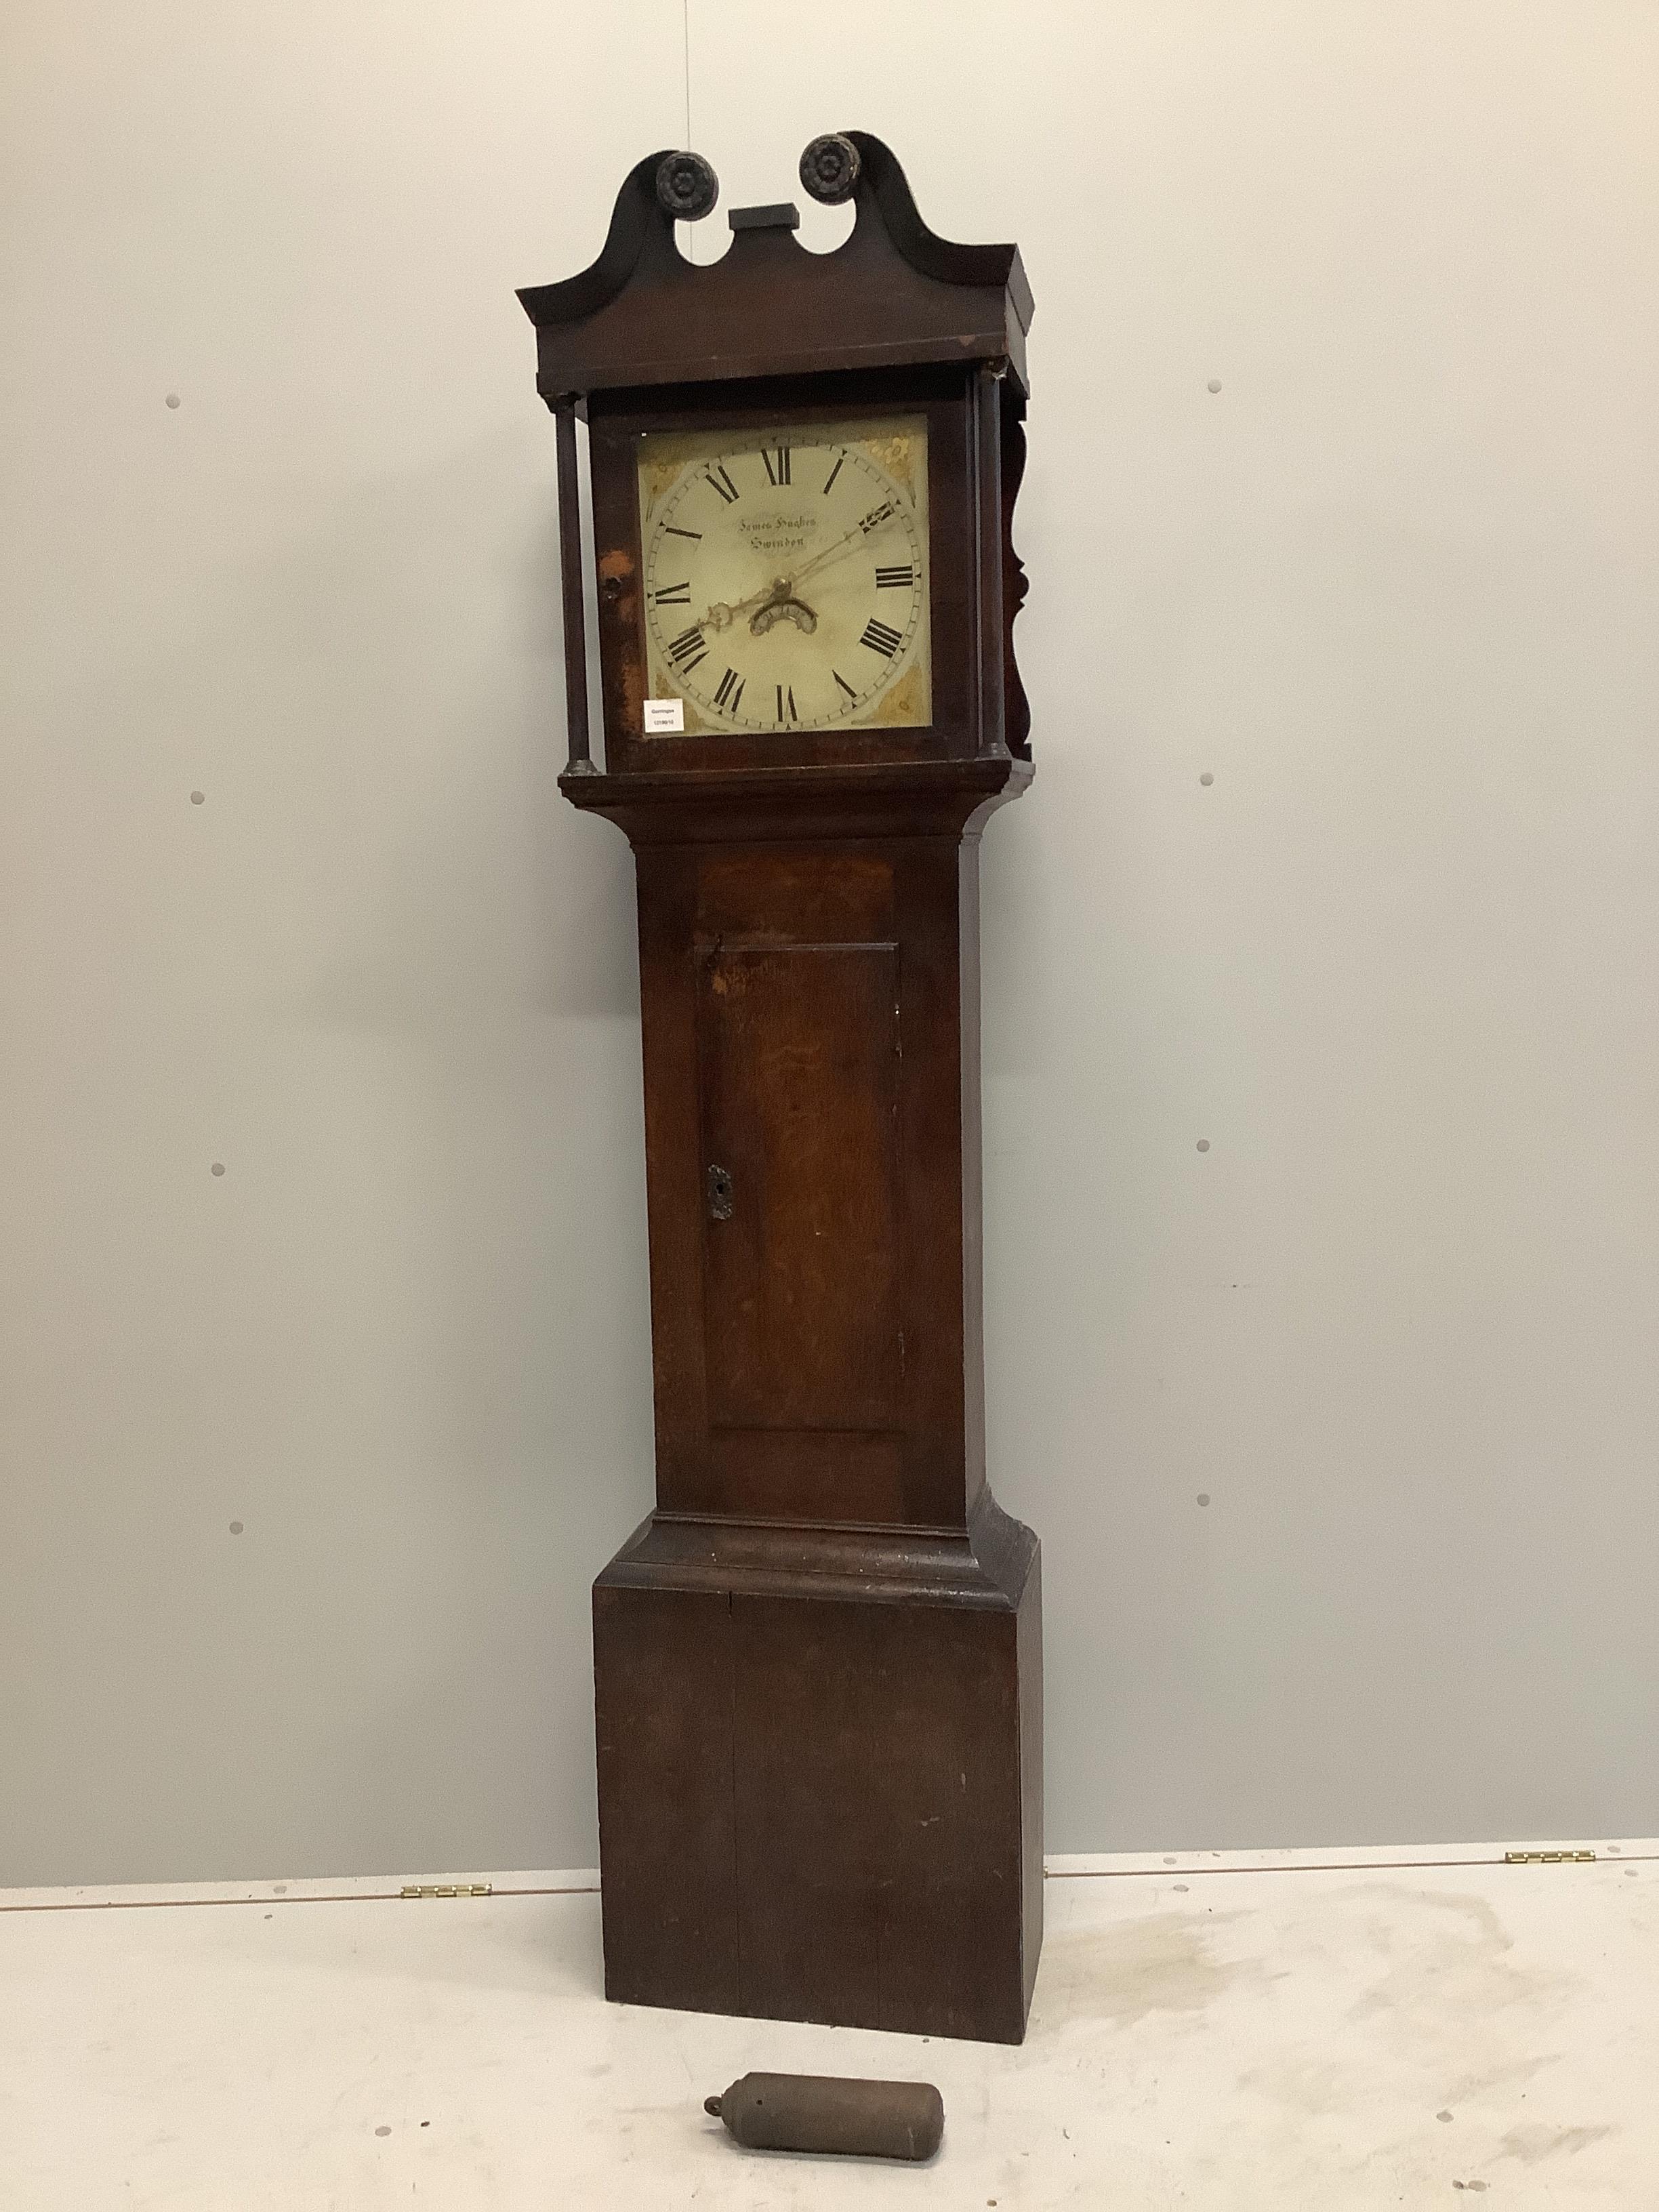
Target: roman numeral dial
[(784, 584)]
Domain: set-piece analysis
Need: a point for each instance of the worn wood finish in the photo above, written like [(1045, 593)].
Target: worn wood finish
[(868, 1711), (799, 1056), (663, 1682), (818, 1664), (836, 1142), (868, 1706), (891, 293)]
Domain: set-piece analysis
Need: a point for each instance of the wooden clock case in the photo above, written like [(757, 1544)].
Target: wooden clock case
[(818, 1664)]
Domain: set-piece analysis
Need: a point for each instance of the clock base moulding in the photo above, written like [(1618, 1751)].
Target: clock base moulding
[(820, 1774)]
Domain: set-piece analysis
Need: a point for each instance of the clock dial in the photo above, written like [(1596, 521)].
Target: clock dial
[(785, 576)]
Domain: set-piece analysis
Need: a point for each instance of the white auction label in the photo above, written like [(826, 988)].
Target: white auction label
[(664, 716)]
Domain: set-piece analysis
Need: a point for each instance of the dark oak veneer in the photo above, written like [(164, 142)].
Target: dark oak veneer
[(818, 1664)]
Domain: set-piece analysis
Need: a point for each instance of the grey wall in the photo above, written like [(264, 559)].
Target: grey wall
[(1392, 587)]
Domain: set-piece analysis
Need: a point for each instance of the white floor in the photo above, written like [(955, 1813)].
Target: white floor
[(1278, 2031)]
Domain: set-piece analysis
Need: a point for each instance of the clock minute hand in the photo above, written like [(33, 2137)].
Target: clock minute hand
[(831, 552)]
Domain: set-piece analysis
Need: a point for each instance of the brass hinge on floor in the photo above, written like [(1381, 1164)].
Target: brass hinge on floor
[(445, 1889), (1549, 1858)]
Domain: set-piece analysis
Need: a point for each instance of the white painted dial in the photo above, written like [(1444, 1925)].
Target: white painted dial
[(785, 576)]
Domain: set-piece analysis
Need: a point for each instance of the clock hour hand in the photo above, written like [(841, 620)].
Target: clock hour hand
[(776, 603), (721, 613)]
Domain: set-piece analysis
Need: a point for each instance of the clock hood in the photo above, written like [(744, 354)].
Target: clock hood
[(894, 294)]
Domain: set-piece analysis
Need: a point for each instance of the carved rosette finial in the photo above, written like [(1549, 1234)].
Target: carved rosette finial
[(687, 187), (830, 168)]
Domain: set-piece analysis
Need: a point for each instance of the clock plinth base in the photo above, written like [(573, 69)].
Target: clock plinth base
[(819, 1766)]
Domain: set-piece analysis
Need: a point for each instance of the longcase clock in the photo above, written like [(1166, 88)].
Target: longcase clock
[(818, 1663)]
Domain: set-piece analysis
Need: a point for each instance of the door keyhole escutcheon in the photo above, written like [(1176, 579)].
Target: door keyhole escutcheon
[(720, 1194)]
